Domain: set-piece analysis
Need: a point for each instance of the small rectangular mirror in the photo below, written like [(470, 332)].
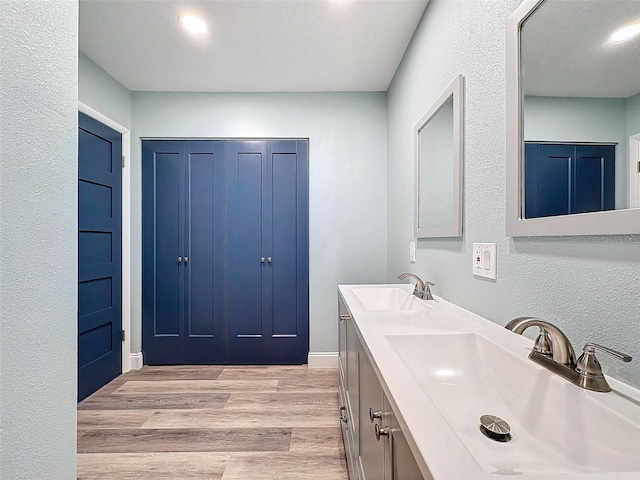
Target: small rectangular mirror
[(573, 118), (438, 140)]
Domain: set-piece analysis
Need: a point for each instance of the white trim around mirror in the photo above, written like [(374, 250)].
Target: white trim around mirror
[(612, 222), (455, 91)]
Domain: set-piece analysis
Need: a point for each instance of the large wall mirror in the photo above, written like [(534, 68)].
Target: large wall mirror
[(573, 118), (438, 140)]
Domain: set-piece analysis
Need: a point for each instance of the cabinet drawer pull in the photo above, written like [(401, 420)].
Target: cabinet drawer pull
[(381, 432), (373, 415), (343, 416)]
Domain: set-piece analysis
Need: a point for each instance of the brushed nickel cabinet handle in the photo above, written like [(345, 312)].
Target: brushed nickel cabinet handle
[(381, 432)]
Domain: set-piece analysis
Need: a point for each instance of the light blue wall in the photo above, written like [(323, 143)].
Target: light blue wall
[(586, 285), (347, 179), (38, 239), (102, 92), (560, 119), (633, 115)]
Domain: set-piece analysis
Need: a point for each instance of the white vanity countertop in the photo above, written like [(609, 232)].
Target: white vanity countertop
[(437, 446)]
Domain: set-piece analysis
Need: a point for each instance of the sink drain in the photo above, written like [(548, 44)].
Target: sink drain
[(495, 428)]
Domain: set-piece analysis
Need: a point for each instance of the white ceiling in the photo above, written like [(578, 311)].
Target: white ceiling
[(251, 45), (565, 50)]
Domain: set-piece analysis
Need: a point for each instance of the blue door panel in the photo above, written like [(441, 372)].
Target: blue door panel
[(288, 242), (96, 150), (283, 248), (204, 242), (167, 244), (99, 255), (245, 248), (201, 318), (161, 303)]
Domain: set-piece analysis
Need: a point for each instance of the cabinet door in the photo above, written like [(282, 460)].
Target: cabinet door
[(400, 464), (342, 340), (371, 397), (353, 378)]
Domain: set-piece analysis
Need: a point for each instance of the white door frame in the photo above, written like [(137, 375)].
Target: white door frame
[(634, 174), (126, 227)]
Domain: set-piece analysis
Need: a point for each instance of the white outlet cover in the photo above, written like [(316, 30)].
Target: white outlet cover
[(412, 252), (483, 261)]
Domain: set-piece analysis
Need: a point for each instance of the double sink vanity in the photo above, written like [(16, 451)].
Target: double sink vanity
[(417, 376)]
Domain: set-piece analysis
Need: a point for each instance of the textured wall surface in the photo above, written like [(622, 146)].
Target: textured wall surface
[(38, 238), (586, 285), (347, 179), (102, 92)]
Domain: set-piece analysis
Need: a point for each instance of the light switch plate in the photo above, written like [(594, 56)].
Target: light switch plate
[(412, 252), (484, 260)]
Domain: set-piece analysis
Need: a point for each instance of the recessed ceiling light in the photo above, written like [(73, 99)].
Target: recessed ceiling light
[(194, 24), (625, 33)]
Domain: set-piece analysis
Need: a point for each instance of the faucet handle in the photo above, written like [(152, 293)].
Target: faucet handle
[(590, 348), (590, 370)]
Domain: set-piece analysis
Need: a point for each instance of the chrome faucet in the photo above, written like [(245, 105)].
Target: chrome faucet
[(422, 289), (553, 351)]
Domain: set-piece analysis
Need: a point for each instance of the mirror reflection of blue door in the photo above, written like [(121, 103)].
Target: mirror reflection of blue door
[(563, 179)]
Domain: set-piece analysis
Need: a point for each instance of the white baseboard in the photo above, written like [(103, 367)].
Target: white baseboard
[(323, 360), (136, 361)]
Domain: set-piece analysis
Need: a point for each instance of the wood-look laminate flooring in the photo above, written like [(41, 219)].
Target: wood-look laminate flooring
[(215, 423)]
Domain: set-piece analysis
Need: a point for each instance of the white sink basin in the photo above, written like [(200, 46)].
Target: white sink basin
[(557, 428), (388, 298)]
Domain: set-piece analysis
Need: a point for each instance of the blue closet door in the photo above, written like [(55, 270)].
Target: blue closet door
[(163, 244), (267, 245), (183, 252), (287, 240), (204, 247), (246, 252), (99, 255)]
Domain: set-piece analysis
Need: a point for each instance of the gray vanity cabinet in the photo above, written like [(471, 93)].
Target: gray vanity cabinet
[(372, 451), (349, 389), (400, 464), (368, 458)]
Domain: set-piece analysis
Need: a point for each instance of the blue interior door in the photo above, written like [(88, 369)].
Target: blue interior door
[(99, 255), (246, 252), (287, 243), (204, 258), (162, 227), (183, 252), (267, 259)]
